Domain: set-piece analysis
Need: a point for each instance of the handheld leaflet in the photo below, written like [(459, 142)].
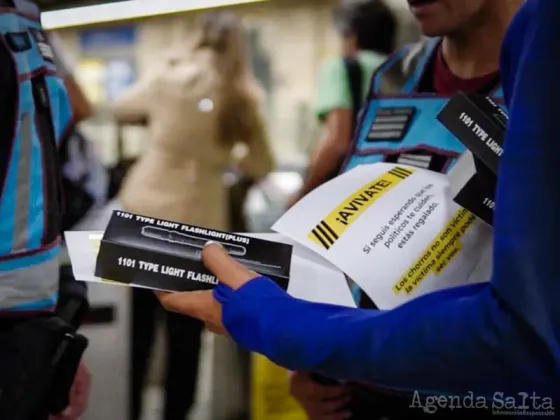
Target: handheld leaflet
[(480, 124), (160, 254), (395, 230), (311, 277)]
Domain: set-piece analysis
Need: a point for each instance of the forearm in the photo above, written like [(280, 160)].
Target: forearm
[(259, 161), (496, 337), (81, 108), (125, 115), (133, 105), (424, 345), (324, 163)]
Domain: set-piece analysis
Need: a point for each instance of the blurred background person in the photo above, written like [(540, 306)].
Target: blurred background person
[(108, 53), (368, 32), (41, 348), (84, 184), (198, 108), (462, 56), (81, 107), (84, 177)]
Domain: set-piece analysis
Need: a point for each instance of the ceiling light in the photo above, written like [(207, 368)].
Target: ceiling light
[(133, 9)]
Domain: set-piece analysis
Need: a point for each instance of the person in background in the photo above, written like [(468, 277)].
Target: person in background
[(199, 108), (496, 340), (81, 107), (462, 56), (40, 348), (368, 32), (71, 140), (84, 177)]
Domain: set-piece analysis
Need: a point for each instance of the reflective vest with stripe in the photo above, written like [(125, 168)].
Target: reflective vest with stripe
[(30, 197), (398, 123)]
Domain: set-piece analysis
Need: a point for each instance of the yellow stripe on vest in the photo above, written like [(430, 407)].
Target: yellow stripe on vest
[(332, 227)]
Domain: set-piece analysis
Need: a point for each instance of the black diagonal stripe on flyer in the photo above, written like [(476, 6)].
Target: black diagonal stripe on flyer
[(330, 230), (400, 172), (317, 234), (326, 233)]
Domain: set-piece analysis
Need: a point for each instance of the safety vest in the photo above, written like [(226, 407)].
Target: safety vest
[(398, 124), (30, 200)]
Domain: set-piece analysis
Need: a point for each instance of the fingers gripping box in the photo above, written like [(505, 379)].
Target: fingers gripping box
[(164, 255)]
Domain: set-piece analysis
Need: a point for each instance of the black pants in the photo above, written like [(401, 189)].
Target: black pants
[(26, 350), (183, 348)]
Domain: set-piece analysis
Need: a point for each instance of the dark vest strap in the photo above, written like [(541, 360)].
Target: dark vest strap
[(415, 64), (355, 82), (401, 72)]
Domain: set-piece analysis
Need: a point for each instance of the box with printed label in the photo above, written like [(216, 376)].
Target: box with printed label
[(480, 124), (164, 255)]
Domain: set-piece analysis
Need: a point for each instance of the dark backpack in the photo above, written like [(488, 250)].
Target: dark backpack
[(355, 82)]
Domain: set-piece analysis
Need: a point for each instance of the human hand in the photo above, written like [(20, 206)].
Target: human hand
[(79, 395), (201, 304), (320, 402)]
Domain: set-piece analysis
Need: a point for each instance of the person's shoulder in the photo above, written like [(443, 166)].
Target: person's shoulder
[(332, 74), (187, 73), (414, 47), (370, 61), (408, 54), (333, 65), (371, 58)]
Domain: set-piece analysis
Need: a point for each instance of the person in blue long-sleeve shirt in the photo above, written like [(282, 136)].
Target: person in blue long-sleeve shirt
[(497, 337)]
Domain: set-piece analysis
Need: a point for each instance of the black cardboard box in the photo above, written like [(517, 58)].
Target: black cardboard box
[(478, 196), (164, 255), (480, 124)]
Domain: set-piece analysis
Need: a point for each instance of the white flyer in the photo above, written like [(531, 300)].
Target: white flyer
[(394, 230), (311, 278)]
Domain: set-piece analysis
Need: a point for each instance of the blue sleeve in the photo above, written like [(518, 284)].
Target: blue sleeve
[(496, 337), (455, 341)]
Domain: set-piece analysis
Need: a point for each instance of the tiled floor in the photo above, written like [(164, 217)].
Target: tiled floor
[(107, 357), (153, 397), (152, 404)]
